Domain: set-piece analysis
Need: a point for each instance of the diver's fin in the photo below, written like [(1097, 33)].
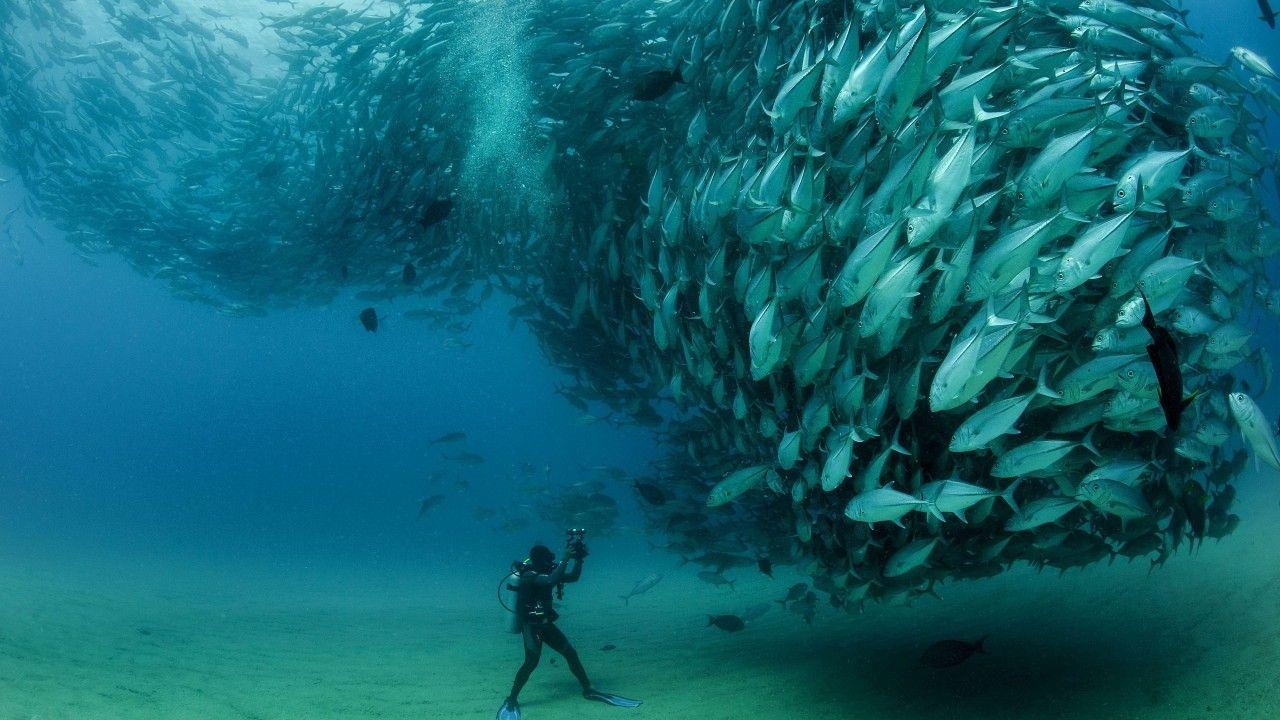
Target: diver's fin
[(610, 699), (510, 710)]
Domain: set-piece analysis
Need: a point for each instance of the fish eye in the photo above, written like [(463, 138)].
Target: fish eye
[(1120, 192), (968, 287), (1062, 276)]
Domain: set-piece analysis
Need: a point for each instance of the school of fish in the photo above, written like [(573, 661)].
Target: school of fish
[(882, 274)]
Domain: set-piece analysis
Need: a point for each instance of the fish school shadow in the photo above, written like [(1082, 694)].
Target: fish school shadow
[(1030, 672)]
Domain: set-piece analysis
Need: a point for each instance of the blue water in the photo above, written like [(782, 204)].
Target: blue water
[(136, 425)]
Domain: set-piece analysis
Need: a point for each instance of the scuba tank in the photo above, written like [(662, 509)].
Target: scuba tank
[(508, 597)]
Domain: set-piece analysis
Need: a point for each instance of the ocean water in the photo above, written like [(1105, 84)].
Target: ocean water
[(211, 516)]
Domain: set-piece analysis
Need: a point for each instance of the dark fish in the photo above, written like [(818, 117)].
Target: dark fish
[(428, 503), (765, 564), (469, 459), (1195, 503), (450, 437), (1268, 15), (608, 647), (796, 592), (409, 275), (344, 272), (949, 653), (1163, 352), (715, 578), (656, 83), (369, 319), (727, 623), (651, 493), (438, 210)]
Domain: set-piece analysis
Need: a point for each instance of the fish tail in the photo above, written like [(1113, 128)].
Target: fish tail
[(1007, 496)]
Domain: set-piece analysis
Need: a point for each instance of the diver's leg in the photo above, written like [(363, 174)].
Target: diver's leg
[(532, 653), (553, 637)]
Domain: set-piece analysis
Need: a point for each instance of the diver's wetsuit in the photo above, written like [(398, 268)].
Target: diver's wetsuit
[(535, 588)]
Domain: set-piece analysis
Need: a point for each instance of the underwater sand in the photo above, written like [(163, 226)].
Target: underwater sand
[(155, 637)]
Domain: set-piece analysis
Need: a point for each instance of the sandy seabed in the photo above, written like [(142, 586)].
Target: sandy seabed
[(153, 637)]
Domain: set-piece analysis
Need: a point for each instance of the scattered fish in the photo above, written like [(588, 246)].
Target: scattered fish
[(949, 653), (642, 586), (369, 319), (727, 623), (427, 503)]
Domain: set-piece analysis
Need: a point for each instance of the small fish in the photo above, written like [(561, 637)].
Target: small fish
[(715, 578), (642, 586), (450, 437), (1268, 15), (651, 493), (427, 503), (656, 83), (437, 211), (796, 592), (369, 319), (949, 653), (765, 565), (609, 646), (409, 275), (469, 459), (727, 623)]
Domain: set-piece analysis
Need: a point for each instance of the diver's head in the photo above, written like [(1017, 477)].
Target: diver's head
[(542, 559)]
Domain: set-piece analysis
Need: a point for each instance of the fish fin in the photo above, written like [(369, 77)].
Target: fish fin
[(1042, 385), (981, 114), (933, 511), (1087, 442), (1007, 496)]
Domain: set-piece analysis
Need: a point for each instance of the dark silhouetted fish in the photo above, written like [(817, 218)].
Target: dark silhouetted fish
[(949, 653), (796, 592), (409, 275), (450, 437), (1268, 15), (1195, 503), (715, 578), (765, 564), (469, 459), (727, 623), (651, 493), (656, 83), (609, 646), (369, 319), (1163, 352), (427, 503), (438, 210)]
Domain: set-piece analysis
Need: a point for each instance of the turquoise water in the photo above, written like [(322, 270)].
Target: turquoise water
[(211, 506)]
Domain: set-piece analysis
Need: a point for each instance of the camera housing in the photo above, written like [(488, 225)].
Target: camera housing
[(575, 538)]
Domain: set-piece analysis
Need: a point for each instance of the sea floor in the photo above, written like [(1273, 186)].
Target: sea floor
[(155, 637)]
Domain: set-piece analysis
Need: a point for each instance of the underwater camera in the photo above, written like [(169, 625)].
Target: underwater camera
[(574, 540)]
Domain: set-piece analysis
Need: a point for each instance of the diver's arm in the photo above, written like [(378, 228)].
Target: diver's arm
[(575, 573), (555, 577)]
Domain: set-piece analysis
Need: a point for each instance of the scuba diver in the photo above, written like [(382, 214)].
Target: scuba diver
[(532, 581)]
